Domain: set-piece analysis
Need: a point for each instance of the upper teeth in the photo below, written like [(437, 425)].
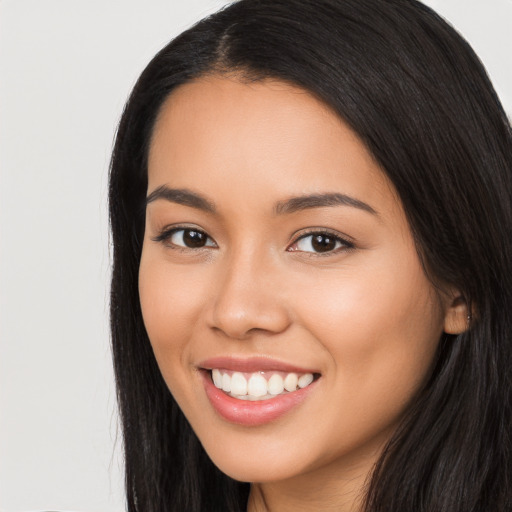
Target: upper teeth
[(255, 386)]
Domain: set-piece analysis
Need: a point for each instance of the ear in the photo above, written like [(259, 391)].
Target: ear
[(457, 313)]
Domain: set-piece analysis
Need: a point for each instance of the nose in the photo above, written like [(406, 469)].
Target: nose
[(248, 299)]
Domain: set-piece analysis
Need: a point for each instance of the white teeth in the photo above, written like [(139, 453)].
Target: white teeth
[(275, 384), (217, 378), (238, 384), (256, 387), (226, 383), (290, 382), (305, 380)]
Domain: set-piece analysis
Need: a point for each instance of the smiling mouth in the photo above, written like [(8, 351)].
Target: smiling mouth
[(261, 385)]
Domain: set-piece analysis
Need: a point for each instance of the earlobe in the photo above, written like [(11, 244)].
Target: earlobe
[(457, 316)]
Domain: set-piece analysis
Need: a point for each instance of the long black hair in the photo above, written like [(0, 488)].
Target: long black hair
[(420, 100)]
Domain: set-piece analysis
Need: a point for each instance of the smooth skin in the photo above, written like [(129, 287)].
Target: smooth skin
[(236, 273)]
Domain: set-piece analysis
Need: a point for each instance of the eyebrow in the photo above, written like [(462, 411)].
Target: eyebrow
[(306, 202), (181, 196), (292, 205)]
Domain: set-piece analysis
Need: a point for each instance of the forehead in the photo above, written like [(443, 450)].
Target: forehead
[(259, 139)]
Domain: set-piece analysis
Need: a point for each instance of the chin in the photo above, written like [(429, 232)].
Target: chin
[(261, 456), (253, 470)]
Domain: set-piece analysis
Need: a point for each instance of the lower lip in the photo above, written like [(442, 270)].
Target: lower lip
[(252, 413)]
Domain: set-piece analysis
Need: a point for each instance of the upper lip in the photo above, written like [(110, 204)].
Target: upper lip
[(251, 364)]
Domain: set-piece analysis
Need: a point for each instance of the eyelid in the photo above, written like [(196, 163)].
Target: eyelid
[(345, 240), (166, 233)]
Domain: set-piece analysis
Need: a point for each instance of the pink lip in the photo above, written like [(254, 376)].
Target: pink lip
[(248, 413), (252, 364)]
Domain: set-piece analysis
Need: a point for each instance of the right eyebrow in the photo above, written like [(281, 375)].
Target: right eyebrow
[(181, 196)]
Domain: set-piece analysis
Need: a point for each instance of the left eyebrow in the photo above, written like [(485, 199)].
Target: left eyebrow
[(307, 202)]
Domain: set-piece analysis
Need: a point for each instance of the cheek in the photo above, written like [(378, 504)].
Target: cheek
[(381, 331), (171, 298)]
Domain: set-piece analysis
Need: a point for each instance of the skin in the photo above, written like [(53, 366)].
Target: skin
[(364, 315)]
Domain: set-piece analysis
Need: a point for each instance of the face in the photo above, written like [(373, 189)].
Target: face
[(278, 262)]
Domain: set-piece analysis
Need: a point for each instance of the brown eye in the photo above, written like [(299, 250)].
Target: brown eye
[(320, 243), (190, 238), (323, 243), (194, 239)]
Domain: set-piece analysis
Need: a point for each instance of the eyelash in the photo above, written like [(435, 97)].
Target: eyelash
[(343, 244), (167, 233)]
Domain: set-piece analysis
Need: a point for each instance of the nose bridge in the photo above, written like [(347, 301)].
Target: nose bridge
[(246, 297)]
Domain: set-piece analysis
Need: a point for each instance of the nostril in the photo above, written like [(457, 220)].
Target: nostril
[(245, 321)]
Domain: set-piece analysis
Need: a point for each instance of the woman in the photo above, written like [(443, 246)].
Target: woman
[(311, 215)]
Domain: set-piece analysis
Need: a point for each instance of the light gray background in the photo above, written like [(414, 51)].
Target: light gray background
[(66, 68)]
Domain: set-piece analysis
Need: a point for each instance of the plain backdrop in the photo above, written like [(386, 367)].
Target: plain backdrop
[(66, 68)]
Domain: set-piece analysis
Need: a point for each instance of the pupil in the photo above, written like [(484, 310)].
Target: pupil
[(323, 243), (194, 238)]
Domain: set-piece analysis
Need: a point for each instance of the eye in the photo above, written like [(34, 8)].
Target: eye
[(320, 242), (189, 238)]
